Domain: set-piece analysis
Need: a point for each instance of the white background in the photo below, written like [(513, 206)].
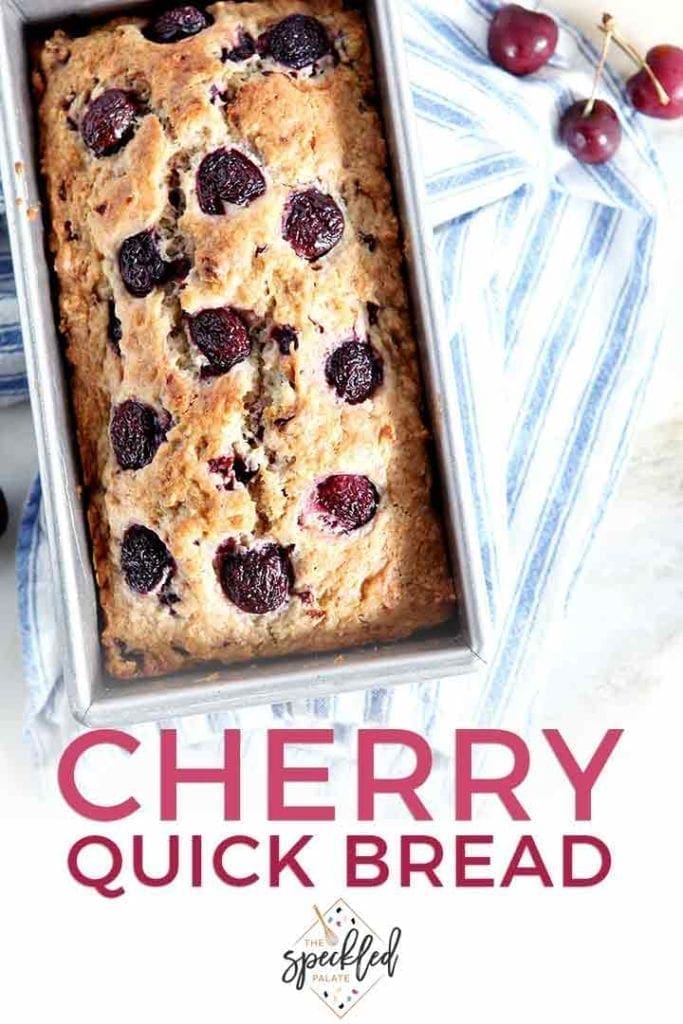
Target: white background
[(612, 953)]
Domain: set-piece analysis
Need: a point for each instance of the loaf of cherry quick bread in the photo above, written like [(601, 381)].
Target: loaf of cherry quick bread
[(244, 370)]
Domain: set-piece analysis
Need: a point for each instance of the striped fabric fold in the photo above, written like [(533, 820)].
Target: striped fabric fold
[(13, 383), (554, 280)]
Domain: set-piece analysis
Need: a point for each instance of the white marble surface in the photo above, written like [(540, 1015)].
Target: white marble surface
[(622, 638)]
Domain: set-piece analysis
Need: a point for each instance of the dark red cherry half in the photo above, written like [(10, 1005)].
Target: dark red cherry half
[(257, 580), (141, 264), (355, 370), (136, 433), (221, 335), (228, 176), (346, 502), (146, 562), (296, 41), (178, 23), (313, 225), (109, 122)]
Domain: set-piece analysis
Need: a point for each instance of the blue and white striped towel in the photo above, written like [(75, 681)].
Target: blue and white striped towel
[(554, 284)]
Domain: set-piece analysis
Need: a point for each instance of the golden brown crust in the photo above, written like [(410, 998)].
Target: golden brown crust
[(383, 581)]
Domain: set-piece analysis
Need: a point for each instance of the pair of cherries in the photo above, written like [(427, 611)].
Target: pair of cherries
[(522, 41)]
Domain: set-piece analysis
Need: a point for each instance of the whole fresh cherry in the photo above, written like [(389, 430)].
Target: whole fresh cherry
[(666, 64), (521, 41), (591, 135)]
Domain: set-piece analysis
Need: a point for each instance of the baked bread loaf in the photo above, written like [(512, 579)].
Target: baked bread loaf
[(245, 380)]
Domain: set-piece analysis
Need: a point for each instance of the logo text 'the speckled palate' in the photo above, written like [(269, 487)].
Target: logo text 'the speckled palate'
[(340, 958)]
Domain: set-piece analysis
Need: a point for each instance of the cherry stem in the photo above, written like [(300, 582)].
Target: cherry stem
[(608, 23), (608, 28)]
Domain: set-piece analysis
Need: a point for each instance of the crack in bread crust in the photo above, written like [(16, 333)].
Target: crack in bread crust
[(274, 411)]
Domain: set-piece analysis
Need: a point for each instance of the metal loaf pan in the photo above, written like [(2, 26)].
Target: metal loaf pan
[(95, 698)]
